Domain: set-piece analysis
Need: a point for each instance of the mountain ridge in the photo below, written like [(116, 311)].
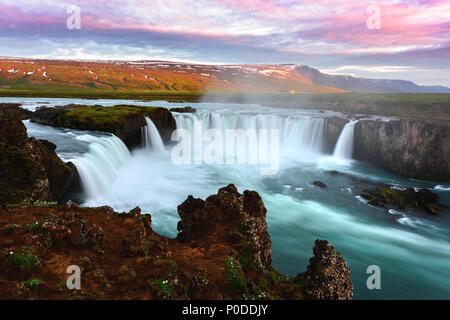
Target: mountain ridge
[(184, 77), (357, 84)]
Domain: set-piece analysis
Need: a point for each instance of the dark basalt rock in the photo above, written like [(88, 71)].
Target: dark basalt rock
[(232, 210), (422, 199), (412, 148), (319, 184), (184, 110), (30, 170), (332, 130), (14, 111), (328, 275)]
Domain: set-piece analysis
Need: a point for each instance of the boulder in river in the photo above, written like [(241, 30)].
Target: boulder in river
[(319, 184), (409, 198)]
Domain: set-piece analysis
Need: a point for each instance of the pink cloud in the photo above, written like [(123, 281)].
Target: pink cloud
[(297, 25)]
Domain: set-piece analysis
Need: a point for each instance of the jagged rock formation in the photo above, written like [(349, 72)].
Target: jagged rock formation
[(412, 148), (233, 211), (328, 275), (222, 252), (30, 170), (122, 120)]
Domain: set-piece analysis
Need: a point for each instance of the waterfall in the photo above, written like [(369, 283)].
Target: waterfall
[(98, 167), (151, 139), (344, 145), (302, 134)]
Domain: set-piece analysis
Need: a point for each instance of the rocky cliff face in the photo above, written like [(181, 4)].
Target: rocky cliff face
[(123, 121), (412, 148), (223, 251), (14, 111), (30, 170), (332, 131)]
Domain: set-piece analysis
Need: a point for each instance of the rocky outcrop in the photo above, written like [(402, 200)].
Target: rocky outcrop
[(164, 121), (412, 148), (332, 130), (400, 199), (123, 121), (319, 184), (328, 275), (30, 170), (14, 111), (234, 212), (223, 251), (184, 110)]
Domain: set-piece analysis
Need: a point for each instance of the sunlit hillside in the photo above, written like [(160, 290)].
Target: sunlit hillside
[(154, 76)]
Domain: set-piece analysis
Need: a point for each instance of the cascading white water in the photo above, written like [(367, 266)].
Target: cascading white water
[(344, 145), (151, 139), (303, 134), (298, 211), (98, 167)]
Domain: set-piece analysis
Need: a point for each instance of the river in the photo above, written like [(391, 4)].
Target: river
[(412, 249)]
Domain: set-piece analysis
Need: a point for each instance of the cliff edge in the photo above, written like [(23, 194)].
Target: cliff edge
[(223, 251)]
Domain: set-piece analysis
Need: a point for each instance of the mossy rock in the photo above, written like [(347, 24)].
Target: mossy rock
[(124, 121), (422, 199), (236, 277)]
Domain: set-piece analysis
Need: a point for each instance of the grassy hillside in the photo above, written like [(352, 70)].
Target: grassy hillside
[(151, 77)]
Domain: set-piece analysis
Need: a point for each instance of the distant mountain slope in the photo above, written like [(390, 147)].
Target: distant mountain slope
[(154, 76), (163, 77), (353, 84)]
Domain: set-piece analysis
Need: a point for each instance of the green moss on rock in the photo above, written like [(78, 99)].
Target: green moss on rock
[(235, 277), (124, 121), (422, 199)]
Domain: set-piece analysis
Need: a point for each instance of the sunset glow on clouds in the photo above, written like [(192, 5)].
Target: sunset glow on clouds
[(412, 43)]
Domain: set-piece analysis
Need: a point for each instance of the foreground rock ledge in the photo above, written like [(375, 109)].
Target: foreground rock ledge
[(223, 251)]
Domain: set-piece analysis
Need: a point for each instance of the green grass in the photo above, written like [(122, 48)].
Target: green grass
[(165, 288), (25, 261), (415, 105), (41, 91), (235, 277), (35, 226), (420, 106), (32, 284), (103, 117)]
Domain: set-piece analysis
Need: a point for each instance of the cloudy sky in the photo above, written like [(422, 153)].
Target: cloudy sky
[(391, 39)]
